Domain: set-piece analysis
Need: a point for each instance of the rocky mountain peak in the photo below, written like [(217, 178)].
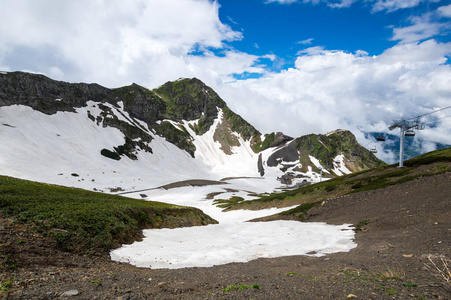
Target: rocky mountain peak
[(190, 99)]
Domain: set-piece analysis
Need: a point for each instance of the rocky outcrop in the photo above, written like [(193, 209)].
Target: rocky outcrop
[(274, 139), (141, 103), (46, 95), (189, 99), (325, 148)]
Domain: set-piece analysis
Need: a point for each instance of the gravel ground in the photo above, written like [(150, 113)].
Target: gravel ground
[(405, 230)]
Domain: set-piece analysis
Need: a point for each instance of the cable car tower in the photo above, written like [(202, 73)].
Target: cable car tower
[(406, 129)]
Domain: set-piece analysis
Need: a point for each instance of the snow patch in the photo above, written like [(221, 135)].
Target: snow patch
[(339, 165), (233, 239), (211, 245), (317, 164)]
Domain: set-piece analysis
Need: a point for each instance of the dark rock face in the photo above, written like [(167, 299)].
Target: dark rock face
[(289, 153), (50, 96), (46, 95), (141, 103), (260, 167), (326, 147), (280, 139)]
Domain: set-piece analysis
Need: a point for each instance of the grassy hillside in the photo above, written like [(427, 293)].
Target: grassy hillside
[(428, 164), (88, 222)]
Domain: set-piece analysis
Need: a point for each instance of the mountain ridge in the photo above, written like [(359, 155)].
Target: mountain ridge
[(186, 113)]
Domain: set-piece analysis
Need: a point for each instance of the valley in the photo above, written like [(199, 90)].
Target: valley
[(131, 193)]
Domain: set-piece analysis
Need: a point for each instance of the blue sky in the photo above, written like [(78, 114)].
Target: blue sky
[(295, 66), (286, 29)]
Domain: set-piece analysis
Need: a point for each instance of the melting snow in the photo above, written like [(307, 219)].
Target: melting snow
[(339, 166), (233, 239), (211, 245)]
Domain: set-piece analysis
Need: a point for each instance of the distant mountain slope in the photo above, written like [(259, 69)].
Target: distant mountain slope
[(426, 165), (131, 137)]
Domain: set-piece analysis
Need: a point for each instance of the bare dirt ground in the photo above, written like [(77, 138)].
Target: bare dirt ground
[(405, 230)]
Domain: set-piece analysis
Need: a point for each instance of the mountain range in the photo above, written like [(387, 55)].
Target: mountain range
[(132, 138)]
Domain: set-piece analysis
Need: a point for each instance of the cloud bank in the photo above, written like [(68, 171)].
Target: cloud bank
[(114, 42)]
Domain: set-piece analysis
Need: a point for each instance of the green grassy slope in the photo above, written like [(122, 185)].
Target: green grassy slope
[(88, 222)]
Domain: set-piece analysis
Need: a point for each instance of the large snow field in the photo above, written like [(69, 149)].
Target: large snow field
[(50, 148), (64, 148), (206, 246), (233, 239)]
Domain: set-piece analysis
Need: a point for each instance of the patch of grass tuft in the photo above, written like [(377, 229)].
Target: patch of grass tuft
[(301, 209), (9, 262), (361, 226), (6, 286), (409, 284), (230, 288)]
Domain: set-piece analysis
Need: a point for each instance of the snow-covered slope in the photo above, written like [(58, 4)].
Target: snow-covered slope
[(131, 138), (65, 148)]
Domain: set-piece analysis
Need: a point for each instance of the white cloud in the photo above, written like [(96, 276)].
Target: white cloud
[(312, 51), (393, 5), (420, 30), (271, 57), (110, 42), (333, 89), (335, 4), (341, 3), (423, 27), (217, 67), (306, 42), (281, 1), (445, 11), (377, 5)]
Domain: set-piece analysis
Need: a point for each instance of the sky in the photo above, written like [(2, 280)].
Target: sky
[(295, 66)]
